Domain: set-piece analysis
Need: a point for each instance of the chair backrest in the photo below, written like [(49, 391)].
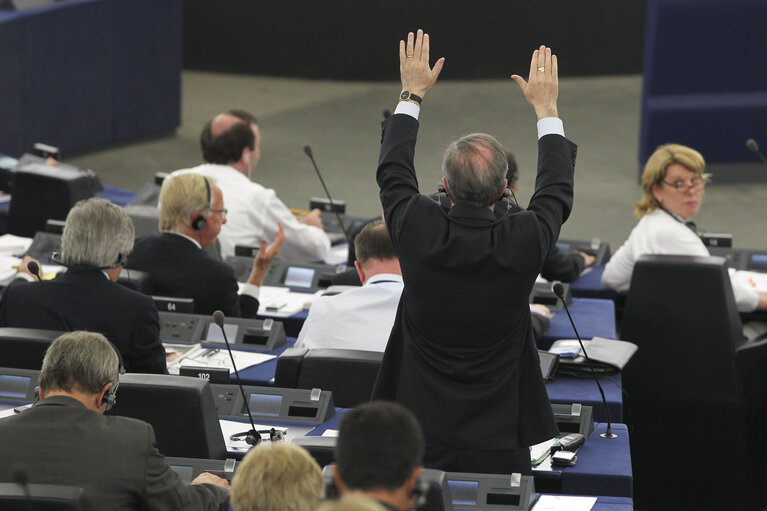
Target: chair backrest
[(682, 314), (41, 497), (180, 409), (24, 348), (349, 374), (136, 280), (683, 382)]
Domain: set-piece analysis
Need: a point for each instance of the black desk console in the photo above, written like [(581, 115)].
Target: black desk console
[(18, 385), (491, 491), (301, 276), (306, 406), (543, 294), (243, 333), (600, 249), (189, 468), (574, 418)]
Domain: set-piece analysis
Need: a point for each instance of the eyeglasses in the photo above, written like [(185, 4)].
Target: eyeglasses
[(695, 183), (221, 212)]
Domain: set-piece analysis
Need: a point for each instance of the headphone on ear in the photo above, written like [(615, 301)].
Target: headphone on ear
[(110, 396), (200, 222)]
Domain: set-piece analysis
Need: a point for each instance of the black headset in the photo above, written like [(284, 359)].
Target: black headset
[(200, 222)]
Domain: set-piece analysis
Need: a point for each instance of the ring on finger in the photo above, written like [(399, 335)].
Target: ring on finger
[(541, 69)]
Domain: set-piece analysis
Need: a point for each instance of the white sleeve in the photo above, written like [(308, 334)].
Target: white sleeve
[(617, 273), (302, 242), (550, 126), (746, 296)]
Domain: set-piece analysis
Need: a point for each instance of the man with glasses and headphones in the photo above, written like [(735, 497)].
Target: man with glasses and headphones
[(97, 238), (65, 439), (191, 215)]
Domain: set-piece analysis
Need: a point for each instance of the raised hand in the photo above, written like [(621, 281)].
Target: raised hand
[(266, 255), (416, 75), (542, 88)]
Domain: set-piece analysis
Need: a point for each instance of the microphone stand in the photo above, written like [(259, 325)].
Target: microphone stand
[(559, 290)]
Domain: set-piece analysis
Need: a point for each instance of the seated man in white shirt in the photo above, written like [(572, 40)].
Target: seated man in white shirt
[(360, 318), (231, 149)]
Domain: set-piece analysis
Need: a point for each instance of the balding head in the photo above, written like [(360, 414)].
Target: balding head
[(230, 139), (222, 123), (474, 167)]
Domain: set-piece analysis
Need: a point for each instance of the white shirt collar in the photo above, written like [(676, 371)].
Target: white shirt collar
[(378, 277)]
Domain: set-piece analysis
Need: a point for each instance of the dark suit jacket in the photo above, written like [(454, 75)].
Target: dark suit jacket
[(178, 268), (85, 299), (461, 354), (114, 459)]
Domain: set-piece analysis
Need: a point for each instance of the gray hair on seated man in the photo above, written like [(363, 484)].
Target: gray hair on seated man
[(97, 233), (81, 361), (181, 196), (474, 169)]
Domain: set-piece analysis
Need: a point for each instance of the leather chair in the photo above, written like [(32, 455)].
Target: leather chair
[(690, 387), (24, 348), (180, 409), (349, 374)]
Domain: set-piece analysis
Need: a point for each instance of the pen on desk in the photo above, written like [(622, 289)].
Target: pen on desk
[(211, 353)]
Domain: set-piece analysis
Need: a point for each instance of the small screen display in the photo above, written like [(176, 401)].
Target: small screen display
[(264, 404), (215, 335), (184, 472), (563, 246), (759, 261), (14, 386), (464, 492), (299, 277)]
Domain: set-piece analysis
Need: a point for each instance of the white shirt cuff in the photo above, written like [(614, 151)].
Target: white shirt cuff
[(250, 290), (550, 126), (409, 108)]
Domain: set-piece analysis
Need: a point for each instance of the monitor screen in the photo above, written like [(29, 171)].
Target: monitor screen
[(299, 277), (215, 335), (14, 386), (759, 262), (264, 404), (464, 492)]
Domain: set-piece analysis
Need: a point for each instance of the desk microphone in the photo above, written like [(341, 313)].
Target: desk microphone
[(308, 152), (559, 290), (252, 437), (754, 148), (34, 268)]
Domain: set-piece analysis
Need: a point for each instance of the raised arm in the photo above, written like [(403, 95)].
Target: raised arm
[(416, 75), (542, 88)]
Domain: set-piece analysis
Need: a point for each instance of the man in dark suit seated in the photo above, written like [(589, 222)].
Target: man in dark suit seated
[(65, 438), (378, 455), (461, 354), (97, 238), (191, 214)]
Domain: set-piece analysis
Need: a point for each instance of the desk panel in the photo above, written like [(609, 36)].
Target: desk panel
[(569, 389), (593, 317), (589, 285)]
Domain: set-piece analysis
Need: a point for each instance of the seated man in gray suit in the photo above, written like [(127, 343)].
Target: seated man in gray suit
[(65, 438)]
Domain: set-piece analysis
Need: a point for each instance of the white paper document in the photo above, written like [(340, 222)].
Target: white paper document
[(564, 502), (218, 358), (281, 302)]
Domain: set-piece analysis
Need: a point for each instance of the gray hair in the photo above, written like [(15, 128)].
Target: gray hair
[(180, 196), (83, 361), (474, 167), (97, 233)]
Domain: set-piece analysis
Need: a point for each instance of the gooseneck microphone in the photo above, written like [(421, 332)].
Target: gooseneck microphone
[(252, 437), (754, 148), (559, 290), (34, 268), (308, 152)]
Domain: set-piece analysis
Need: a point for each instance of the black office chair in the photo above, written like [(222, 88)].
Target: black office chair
[(180, 409), (24, 348), (136, 280), (349, 374), (40, 497), (685, 400)]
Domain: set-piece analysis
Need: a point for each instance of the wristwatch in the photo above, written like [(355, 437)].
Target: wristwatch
[(406, 95)]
